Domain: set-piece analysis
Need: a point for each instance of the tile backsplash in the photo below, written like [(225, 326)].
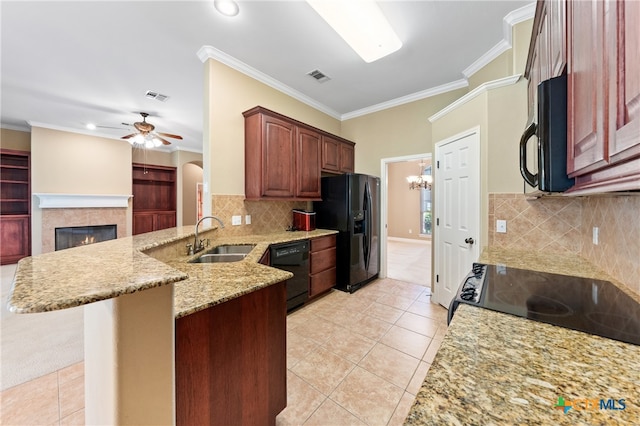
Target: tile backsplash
[(565, 225), (266, 216)]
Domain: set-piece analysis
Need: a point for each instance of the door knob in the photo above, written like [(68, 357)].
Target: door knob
[(469, 240)]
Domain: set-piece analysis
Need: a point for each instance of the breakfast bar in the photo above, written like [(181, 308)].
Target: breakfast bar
[(134, 289)]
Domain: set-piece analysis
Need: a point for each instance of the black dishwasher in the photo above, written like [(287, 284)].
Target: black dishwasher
[(293, 257)]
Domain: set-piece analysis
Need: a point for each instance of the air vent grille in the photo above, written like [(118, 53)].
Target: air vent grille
[(155, 95), (319, 76)]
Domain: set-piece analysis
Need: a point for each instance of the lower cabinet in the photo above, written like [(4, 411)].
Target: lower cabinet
[(322, 269), (15, 237), (153, 221), (231, 363)]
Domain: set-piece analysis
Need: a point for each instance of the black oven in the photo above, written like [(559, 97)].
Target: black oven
[(584, 304), (293, 257)]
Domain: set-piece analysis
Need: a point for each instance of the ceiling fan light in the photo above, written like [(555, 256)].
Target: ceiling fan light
[(156, 142), (362, 25), (226, 7), (137, 140)]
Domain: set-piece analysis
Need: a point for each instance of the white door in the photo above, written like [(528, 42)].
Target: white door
[(457, 212)]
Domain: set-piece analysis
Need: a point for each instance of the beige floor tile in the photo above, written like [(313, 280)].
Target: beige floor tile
[(302, 401), (71, 372), (71, 396), (428, 309), (430, 354), (442, 331), (349, 345), (371, 327), (75, 419), (357, 303), (384, 312), (406, 341), (418, 378), (396, 301), (31, 403), (390, 364), (330, 413), (317, 328), (323, 369), (298, 346), (418, 323), (367, 396), (409, 290), (402, 410)]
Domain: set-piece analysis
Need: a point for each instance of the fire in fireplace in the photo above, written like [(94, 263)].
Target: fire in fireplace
[(74, 236)]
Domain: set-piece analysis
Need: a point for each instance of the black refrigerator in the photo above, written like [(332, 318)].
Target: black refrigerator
[(351, 205)]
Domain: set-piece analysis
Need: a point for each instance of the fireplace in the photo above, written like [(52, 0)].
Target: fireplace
[(74, 236)]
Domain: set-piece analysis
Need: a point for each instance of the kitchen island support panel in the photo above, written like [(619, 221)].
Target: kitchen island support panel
[(129, 358)]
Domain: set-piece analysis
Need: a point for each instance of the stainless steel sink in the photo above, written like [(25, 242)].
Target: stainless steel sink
[(219, 257), (225, 253), (232, 249)]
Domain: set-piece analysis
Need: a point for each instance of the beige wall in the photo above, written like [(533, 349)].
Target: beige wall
[(394, 132), (500, 67), (403, 217), (191, 175), (15, 139), (229, 94), (148, 156)]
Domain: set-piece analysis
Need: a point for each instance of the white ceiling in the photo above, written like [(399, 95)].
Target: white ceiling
[(66, 64)]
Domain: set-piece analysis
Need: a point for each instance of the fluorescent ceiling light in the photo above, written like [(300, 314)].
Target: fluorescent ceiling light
[(361, 24)]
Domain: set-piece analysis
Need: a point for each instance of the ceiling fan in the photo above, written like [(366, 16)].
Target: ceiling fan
[(147, 136)]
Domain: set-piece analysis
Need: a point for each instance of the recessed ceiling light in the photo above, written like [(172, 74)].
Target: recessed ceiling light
[(226, 7), (91, 126), (361, 24)]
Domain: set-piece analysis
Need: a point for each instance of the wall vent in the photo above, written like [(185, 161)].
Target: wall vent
[(319, 76), (155, 95)]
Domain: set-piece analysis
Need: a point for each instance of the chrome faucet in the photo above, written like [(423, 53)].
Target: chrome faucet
[(198, 245)]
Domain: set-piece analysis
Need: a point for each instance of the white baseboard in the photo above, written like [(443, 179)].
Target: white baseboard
[(425, 240)]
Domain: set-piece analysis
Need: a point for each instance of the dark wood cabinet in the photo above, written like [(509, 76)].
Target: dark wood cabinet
[(284, 158), (154, 198), (337, 155), (231, 364), (322, 265), (15, 205), (603, 95)]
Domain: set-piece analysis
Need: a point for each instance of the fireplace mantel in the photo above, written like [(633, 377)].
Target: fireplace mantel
[(70, 201)]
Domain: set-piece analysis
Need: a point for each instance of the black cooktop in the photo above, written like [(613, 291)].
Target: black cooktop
[(592, 306)]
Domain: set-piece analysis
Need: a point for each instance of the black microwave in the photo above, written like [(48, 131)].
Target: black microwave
[(551, 133)]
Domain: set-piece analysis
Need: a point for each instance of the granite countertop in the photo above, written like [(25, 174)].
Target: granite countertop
[(81, 275), (494, 368)]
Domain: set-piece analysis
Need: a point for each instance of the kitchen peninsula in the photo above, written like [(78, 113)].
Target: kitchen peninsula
[(135, 290)]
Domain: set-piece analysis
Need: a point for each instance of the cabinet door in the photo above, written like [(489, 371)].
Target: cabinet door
[(278, 159), (330, 154), (308, 164), (557, 19), (14, 234), (346, 158), (587, 144), (625, 78), (142, 222), (165, 220)]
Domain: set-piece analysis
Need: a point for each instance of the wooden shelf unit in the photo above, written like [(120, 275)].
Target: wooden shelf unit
[(154, 198), (15, 205)]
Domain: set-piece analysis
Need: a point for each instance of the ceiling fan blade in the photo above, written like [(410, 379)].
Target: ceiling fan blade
[(169, 135), (129, 136), (164, 141)]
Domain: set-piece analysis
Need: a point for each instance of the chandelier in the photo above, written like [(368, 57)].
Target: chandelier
[(420, 181)]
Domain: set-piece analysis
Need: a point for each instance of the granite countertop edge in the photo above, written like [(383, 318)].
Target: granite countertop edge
[(96, 272)]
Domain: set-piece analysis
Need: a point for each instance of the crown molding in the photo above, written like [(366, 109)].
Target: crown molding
[(508, 22), (210, 52), (454, 85), (485, 87), (15, 127), (71, 130)]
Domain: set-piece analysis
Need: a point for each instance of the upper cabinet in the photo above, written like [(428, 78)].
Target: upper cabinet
[(603, 95), (284, 158)]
